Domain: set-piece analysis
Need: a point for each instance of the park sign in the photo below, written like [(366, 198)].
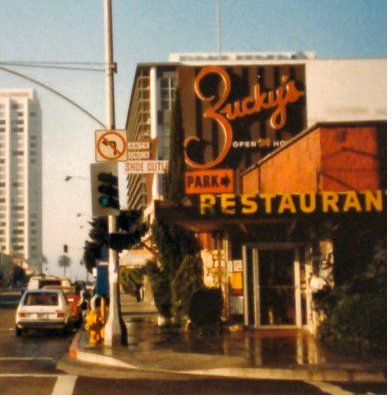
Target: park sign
[(209, 181)]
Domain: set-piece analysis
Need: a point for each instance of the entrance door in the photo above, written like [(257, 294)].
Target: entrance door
[(276, 287)]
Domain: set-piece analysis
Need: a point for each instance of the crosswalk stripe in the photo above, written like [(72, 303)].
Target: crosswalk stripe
[(329, 388), (5, 375), (64, 385), (26, 359)]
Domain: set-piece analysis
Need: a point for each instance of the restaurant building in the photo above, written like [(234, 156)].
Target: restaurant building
[(285, 174)]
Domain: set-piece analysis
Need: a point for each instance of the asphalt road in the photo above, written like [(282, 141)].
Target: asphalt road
[(29, 365)]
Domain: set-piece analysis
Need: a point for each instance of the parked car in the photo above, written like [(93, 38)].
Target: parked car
[(73, 299), (42, 309)]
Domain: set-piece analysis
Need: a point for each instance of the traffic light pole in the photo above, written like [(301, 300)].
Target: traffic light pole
[(113, 326)]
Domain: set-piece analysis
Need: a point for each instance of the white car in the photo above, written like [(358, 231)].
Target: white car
[(42, 309)]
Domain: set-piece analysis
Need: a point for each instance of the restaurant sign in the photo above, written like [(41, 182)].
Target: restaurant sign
[(221, 111), (264, 204)]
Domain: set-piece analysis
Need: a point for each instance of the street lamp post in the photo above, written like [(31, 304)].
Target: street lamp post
[(113, 325)]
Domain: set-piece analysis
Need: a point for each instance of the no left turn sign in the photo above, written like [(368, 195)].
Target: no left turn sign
[(110, 145)]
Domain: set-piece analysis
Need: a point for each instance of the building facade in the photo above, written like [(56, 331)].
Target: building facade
[(285, 172), (21, 176)]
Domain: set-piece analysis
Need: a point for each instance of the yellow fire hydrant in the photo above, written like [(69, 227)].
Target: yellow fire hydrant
[(95, 323)]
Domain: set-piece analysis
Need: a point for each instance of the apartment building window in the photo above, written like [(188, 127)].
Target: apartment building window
[(17, 208), (17, 240), (2, 121), (18, 153), (168, 91)]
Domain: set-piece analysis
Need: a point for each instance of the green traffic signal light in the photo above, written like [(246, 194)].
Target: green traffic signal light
[(109, 190)]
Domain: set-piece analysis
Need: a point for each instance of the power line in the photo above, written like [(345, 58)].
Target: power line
[(56, 62), (51, 67), (52, 90)]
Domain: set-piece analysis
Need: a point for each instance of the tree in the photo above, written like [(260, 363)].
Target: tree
[(188, 280), (174, 244), (129, 221), (175, 177), (64, 261)]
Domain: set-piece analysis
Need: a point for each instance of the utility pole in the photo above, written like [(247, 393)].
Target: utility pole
[(218, 28), (113, 326)]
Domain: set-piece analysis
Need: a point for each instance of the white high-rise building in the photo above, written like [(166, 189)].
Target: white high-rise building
[(21, 176)]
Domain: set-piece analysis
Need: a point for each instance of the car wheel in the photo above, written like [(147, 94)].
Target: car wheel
[(18, 331)]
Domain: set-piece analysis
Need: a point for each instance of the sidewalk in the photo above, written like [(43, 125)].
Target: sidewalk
[(261, 354)]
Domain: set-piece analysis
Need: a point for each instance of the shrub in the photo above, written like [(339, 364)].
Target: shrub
[(188, 279), (160, 284), (130, 278), (356, 311), (205, 310)]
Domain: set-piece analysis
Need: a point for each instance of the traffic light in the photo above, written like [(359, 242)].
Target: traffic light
[(108, 188), (65, 248), (104, 189)]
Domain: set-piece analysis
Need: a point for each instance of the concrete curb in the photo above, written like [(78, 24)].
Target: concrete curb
[(304, 374)]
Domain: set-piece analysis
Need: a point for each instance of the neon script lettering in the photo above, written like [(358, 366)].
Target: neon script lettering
[(223, 113)]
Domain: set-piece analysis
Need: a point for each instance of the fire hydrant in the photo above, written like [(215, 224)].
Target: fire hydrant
[(95, 322)]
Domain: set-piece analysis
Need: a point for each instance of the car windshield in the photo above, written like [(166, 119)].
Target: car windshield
[(41, 298)]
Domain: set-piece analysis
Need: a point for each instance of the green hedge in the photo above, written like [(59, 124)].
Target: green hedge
[(205, 311), (188, 279)]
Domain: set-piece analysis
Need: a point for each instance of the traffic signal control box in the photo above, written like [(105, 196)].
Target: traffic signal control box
[(104, 189)]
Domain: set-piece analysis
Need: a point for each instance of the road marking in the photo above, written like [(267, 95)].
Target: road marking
[(4, 375), (64, 385), (330, 388), (26, 358)]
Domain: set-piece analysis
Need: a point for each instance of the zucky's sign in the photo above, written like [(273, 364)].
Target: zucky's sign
[(223, 113)]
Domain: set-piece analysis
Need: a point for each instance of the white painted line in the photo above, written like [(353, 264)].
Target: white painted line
[(26, 359), (329, 388), (4, 375), (64, 385)]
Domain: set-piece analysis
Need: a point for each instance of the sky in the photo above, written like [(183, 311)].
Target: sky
[(149, 30)]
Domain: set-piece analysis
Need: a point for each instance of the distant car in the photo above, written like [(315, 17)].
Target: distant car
[(42, 309), (38, 282)]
